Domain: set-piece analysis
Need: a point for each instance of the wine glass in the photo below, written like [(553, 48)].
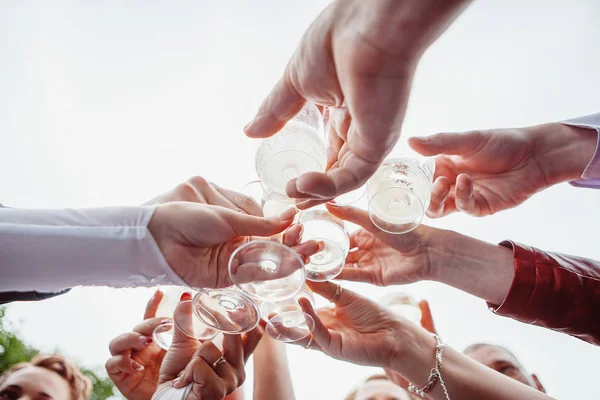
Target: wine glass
[(320, 225), (399, 193), (262, 271), (404, 305), (271, 206), (285, 320), (296, 149), (182, 319)]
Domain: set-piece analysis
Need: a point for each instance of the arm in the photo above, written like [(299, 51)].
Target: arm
[(556, 291), (50, 250), (360, 331), (272, 378)]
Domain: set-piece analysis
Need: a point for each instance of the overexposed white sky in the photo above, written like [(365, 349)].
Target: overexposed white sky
[(112, 103)]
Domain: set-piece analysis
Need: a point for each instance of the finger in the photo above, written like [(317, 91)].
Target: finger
[(233, 350), (206, 382), (153, 304), (280, 106), (354, 215), (251, 340), (463, 144), (357, 274), (127, 342), (439, 195), (320, 334), (244, 225), (292, 236), (122, 364), (244, 202), (182, 318), (147, 326), (209, 352), (328, 290), (464, 194), (306, 204), (309, 248), (426, 317)]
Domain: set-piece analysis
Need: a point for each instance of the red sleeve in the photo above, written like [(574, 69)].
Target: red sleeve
[(556, 291)]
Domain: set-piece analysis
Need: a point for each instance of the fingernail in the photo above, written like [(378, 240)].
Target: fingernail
[(175, 382), (137, 366), (249, 124), (185, 296), (301, 232), (288, 214), (166, 321), (321, 245), (145, 339)]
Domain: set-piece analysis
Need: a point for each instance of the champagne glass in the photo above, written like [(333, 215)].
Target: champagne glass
[(296, 149), (270, 206), (320, 225), (261, 270), (285, 320), (399, 193), (404, 305)]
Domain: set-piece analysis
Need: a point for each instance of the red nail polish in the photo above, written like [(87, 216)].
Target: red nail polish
[(185, 296)]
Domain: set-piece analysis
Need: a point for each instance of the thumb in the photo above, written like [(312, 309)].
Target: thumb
[(463, 144), (277, 109), (250, 225)]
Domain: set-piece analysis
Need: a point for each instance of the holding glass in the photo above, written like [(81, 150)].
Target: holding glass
[(399, 193)]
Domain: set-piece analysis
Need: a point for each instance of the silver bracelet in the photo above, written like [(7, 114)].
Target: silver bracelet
[(435, 374)]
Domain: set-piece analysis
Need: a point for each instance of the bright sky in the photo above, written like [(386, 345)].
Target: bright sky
[(112, 103)]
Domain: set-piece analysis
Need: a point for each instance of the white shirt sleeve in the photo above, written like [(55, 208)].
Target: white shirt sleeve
[(51, 250)]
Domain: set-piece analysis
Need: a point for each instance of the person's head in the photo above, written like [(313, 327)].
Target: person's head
[(45, 377), (379, 387), (502, 360)]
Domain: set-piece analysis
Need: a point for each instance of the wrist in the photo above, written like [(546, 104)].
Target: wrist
[(482, 269), (562, 151), (417, 355)]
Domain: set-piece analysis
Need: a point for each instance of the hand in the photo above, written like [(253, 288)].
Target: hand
[(483, 172), (199, 190), (136, 360), (197, 240), (190, 362), (385, 259), (358, 58), (357, 329)]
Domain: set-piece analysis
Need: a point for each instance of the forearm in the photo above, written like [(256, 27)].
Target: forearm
[(272, 380), (50, 250), (482, 269), (463, 377)]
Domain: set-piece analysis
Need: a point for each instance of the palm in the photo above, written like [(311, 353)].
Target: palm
[(361, 332), (502, 168), (393, 259), (141, 385)]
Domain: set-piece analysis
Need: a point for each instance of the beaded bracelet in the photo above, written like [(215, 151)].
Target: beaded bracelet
[(435, 375)]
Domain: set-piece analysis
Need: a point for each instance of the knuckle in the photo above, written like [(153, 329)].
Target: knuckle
[(198, 182), (186, 192)]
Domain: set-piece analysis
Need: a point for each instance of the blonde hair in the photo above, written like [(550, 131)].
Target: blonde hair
[(79, 384)]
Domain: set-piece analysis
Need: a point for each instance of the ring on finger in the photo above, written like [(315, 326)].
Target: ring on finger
[(338, 293), (220, 361)]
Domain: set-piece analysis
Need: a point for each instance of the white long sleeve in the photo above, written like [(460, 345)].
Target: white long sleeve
[(51, 250)]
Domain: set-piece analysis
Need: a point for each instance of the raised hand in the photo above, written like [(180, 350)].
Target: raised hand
[(358, 58), (136, 359), (483, 172)]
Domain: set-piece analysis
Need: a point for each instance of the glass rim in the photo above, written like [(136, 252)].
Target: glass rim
[(176, 325), (284, 197), (396, 232), (282, 338), (238, 293), (269, 243)]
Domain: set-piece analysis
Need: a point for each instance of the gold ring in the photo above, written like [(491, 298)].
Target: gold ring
[(337, 294), (220, 361), (310, 340)]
